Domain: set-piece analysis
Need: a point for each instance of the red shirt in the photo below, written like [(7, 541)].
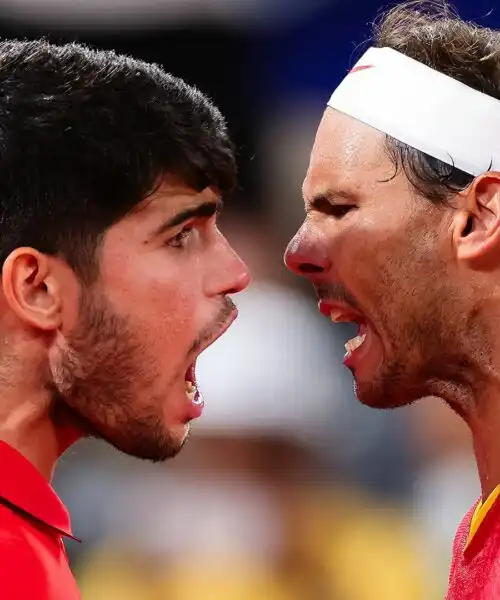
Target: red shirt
[(475, 568), (33, 522)]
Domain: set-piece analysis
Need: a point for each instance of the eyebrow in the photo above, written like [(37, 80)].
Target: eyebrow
[(200, 211)]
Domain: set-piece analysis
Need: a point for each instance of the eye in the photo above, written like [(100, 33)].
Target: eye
[(180, 240), (340, 210), (333, 208)]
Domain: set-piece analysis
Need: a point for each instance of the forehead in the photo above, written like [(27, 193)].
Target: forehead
[(170, 197), (171, 204), (347, 156)]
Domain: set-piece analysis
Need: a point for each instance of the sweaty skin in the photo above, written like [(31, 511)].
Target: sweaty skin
[(421, 278)]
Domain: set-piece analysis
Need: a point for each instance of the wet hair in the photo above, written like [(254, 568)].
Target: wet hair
[(432, 33), (86, 135)]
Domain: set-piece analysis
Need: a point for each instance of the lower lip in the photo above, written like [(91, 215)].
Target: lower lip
[(353, 359), (196, 407)]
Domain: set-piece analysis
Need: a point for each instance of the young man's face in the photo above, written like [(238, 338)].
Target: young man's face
[(162, 296)]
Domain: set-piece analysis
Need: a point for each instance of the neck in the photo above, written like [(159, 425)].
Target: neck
[(484, 423), (480, 409), (36, 427)]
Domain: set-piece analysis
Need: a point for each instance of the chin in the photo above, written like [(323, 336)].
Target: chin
[(383, 396), (153, 445), (177, 437)]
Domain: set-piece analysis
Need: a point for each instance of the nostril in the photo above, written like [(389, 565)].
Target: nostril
[(309, 268)]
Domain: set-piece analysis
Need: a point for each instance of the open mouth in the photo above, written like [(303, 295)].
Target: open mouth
[(191, 387), (341, 314), (192, 391)]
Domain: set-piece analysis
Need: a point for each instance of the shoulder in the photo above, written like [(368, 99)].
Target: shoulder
[(22, 573)]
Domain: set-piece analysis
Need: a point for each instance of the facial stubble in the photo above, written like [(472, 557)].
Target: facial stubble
[(101, 375)]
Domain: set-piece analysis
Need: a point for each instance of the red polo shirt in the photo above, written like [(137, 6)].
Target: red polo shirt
[(33, 522), (475, 568)]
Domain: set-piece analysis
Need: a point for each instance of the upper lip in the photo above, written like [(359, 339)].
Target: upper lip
[(222, 330), (346, 312), (190, 372)]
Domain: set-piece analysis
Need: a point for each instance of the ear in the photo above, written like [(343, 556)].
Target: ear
[(477, 223), (31, 289)]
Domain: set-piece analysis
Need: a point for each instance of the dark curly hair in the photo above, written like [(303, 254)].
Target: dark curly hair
[(85, 135), (432, 33)]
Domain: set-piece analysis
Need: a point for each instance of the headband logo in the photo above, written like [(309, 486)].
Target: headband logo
[(361, 68)]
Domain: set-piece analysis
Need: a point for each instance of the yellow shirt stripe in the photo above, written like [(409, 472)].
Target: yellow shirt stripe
[(480, 513)]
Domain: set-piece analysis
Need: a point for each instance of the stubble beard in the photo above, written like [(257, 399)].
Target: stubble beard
[(96, 375)]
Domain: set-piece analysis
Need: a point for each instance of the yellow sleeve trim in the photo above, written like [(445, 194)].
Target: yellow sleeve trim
[(480, 513)]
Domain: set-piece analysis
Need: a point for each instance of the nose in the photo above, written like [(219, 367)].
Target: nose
[(230, 274), (242, 277), (306, 254)]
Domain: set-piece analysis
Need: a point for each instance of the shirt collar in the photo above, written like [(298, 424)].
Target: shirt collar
[(24, 487), (482, 514)]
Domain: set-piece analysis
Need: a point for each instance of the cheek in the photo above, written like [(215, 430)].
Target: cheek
[(355, 253), (394, 274), (372, 262), (161, 303)]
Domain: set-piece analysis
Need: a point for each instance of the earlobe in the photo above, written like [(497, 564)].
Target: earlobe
[(477, 224), (31, 290)]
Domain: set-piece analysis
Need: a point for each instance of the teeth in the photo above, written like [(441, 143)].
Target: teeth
[(190, 390), (336, 315), (355, 343), (339, 316)]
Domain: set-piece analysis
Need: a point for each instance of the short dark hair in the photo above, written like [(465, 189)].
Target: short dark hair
[(86, 135), (432, 33)]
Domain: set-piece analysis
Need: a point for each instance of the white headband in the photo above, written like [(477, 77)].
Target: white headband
[(423, 108)]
